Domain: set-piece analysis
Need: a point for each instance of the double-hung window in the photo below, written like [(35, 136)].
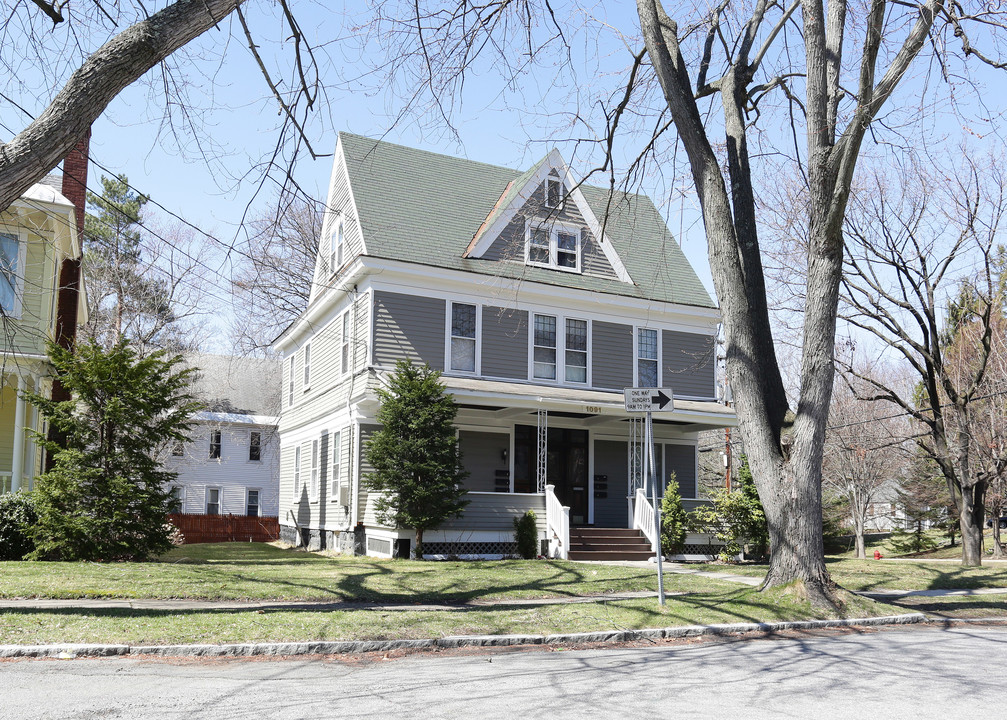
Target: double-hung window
[(544, 348), (11, 274), (344, 351), (252, 503), (215, 444), (647, 358), (307, 367), (297, 473), (177, 498), (255, 446), (336, 450), (336, 245), (463, 337), (290, 393), (575, 352), (553, 192), (213, 501), (554, 246), (313, 488)]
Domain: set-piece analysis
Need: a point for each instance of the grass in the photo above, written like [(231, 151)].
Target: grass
[(246, 571), (710, 602)]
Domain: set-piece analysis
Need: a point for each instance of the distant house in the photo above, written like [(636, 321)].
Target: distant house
[(539, 300), (37, 233), (231, 464)]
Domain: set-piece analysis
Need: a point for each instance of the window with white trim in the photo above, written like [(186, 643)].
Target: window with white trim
[(178, 448), (544, 348), (575, 351), (215, 444), (212, 501), (307, 367), (177, 494), (336, 471), (344, 351), (11, 273), (647, 358), (252, 503), (553, 192), (463, 337), (255, 446), (290, 394), (313, 487), (554, 246), (297, 472), (336, 245)]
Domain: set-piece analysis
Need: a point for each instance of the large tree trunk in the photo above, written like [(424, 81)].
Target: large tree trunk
[(115, 65), (858, 529), (970, 516)]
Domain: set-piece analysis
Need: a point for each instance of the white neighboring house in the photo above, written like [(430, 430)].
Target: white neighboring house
[(231, 464)]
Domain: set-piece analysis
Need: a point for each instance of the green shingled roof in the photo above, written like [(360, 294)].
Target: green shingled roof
[(421, 207)]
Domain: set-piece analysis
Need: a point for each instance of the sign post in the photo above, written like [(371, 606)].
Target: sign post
[(649, 401)]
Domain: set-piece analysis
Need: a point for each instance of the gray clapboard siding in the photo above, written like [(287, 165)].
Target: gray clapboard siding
[(497, 511), (511, 242), (408, 327), (365, 498), (505, 343), (483, 455), (689, 363), (610, 458), (612, 355), (681, 459)]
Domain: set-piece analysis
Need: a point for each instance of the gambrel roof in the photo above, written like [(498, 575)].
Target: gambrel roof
[(430, 209)]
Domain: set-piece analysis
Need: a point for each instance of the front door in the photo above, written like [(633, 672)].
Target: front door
[(566, 466)]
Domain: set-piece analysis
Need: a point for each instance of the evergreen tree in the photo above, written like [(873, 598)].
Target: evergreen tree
[(124, 301), (107, 497), (674, 519), (416, 461)]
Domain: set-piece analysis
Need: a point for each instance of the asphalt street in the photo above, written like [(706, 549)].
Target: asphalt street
[(880, 673)]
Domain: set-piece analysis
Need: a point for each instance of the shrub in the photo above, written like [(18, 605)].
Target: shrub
[(674, 519), (17, 516), (526, 535), (736, 518)]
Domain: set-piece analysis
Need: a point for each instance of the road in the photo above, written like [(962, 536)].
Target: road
[(888, 673)]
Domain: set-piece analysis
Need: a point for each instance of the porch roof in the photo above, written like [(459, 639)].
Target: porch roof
[(502, 396)]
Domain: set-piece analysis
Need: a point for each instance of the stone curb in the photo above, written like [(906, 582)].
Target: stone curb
[(70, 651)]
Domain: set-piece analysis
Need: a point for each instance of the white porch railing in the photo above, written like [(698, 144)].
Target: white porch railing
[(643, 518), (557, 525)]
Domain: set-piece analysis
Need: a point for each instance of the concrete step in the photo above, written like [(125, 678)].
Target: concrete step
[(610, 555)]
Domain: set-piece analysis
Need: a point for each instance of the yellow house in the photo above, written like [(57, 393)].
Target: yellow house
[(37, 233)]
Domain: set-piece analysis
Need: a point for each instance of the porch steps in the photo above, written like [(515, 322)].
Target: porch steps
[(591, 543)]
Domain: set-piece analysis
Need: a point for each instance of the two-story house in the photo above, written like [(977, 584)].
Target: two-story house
[(37, 233), (539, 300)]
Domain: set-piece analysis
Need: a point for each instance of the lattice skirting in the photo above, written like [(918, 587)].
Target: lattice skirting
[(697, 549), (470, 548)]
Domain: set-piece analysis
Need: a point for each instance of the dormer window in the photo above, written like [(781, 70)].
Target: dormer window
[(553, 246), (553, 192)]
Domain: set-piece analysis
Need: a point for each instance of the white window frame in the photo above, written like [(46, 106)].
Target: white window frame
[(477, 340), (258, 504), (337, 243), (219, 503), (290, 394), (180, 498), (554, 230), (561, 378), (307, 368), (313, 478), (345, 351), (250, 434), (297, 472), (220, 444), (586, 351), (335, 471), (19, 271), (636, 354), (560, 194)]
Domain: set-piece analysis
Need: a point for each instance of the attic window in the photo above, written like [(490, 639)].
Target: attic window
[(336, 245), (553, 192), (553, 246)]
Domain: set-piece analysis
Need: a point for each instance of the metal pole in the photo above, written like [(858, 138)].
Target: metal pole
[(657, 507)]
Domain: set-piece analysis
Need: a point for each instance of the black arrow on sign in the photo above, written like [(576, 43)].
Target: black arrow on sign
[(661, 399)]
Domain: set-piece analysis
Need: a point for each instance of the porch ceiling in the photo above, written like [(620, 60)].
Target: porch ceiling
[(595, 406)]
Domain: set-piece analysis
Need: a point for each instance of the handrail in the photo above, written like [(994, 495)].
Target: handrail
[(557, 525), (643, 518)]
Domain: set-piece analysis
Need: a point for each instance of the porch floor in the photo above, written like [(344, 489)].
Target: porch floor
[(591, 543)]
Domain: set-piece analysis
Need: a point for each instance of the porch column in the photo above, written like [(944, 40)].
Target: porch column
[(542, 450), (17, 464)]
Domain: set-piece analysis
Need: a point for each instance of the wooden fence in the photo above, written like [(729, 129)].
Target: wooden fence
[(226, 528)]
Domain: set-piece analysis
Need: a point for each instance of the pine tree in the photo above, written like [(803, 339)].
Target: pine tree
[(107, 497), (674, 519), (416, 461)]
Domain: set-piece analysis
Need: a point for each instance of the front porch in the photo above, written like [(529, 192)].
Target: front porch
[(20, 455)]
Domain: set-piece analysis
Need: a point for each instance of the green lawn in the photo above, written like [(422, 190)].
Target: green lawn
[(720, 603)]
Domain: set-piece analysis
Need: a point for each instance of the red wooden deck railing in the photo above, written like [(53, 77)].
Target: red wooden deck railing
[(226, 528)]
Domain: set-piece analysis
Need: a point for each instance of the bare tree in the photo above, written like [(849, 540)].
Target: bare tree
[(736, 71), (272, 280), (103, 72), (915, 254), (864, 449)]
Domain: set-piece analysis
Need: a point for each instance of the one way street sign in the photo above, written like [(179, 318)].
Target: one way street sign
[(649, 400)]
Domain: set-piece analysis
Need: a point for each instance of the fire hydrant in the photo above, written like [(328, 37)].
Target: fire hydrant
[(878, 555)]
